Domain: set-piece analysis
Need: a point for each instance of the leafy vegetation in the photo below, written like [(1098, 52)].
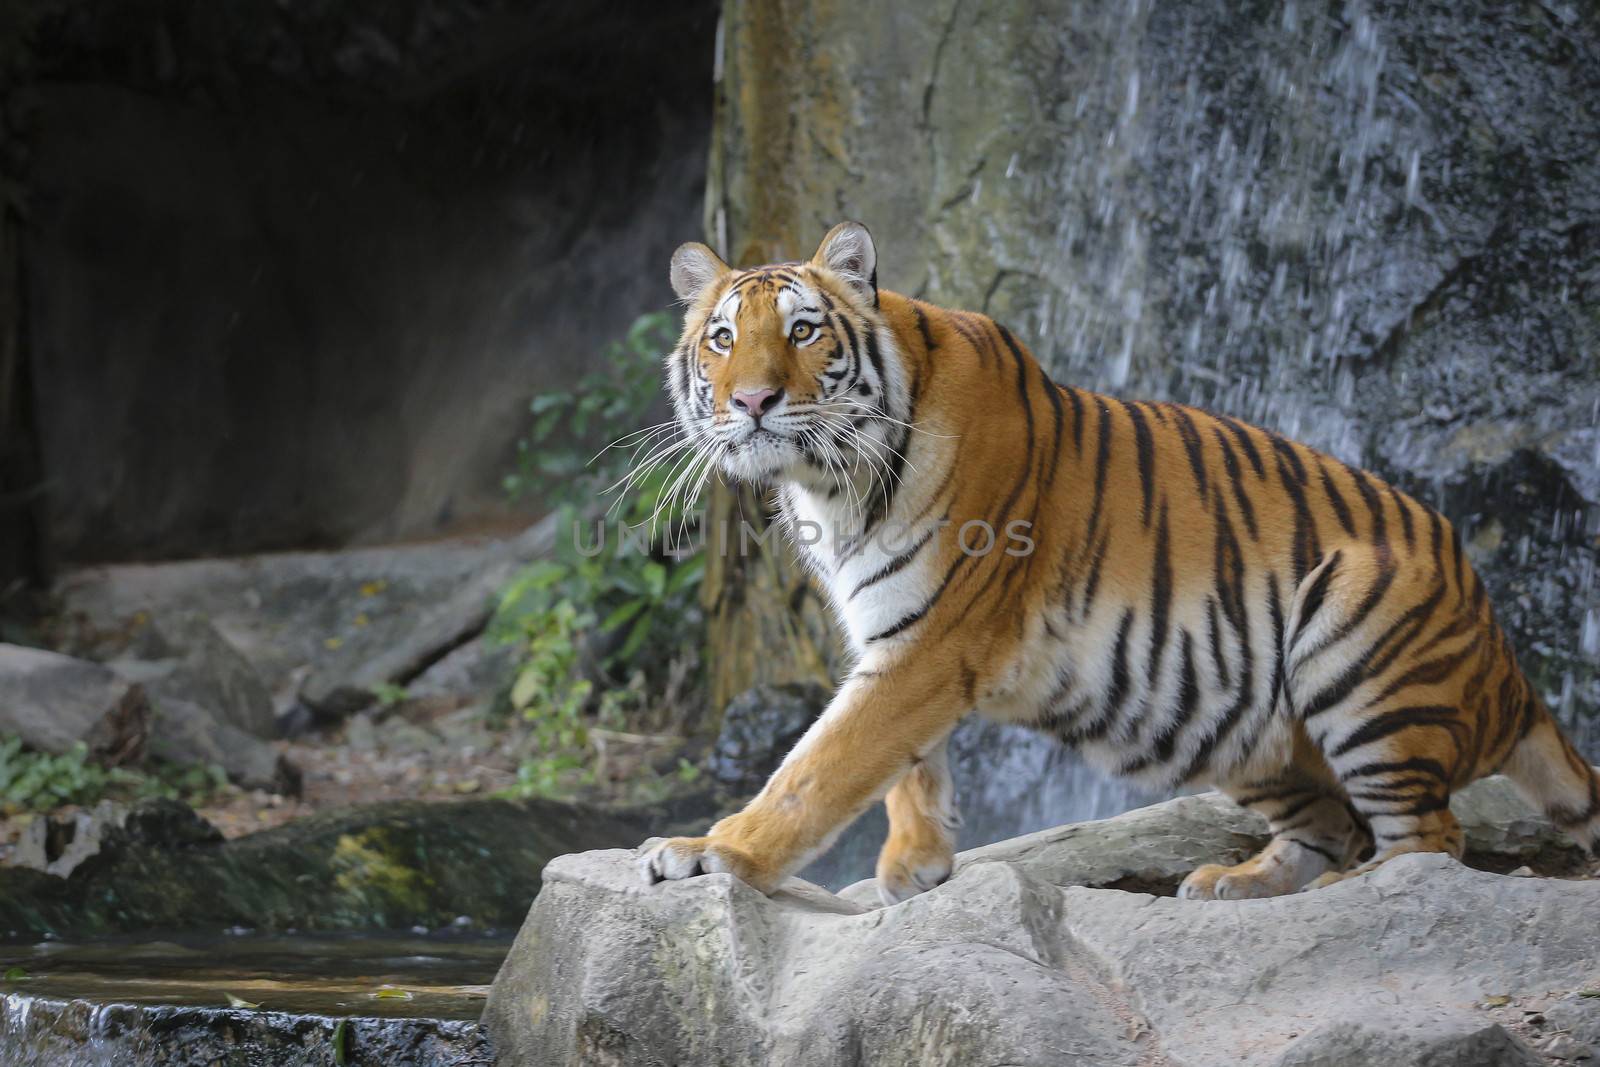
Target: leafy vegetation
[(610, 625), (38, 781)]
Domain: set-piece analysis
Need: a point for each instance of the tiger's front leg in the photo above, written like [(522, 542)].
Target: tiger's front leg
[(882, 723)]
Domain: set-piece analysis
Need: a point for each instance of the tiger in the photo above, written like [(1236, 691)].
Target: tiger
[(1198, 602)]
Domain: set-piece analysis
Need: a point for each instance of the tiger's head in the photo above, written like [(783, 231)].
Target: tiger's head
[(785, 372)]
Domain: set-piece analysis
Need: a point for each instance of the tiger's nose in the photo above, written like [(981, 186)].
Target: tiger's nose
[(757, 402)]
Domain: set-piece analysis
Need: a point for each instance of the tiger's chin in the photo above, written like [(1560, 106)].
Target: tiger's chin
[(763, 457)]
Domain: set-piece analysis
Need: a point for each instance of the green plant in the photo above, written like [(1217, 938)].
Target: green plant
[(388, 695), (40, 781), (619, 597)]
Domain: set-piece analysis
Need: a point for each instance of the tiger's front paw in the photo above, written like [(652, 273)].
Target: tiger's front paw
[(676, 858)]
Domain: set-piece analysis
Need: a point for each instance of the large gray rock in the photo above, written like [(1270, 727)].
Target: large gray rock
[(1027, 957), (1400, 1039), (208, 703), (206, 669), (405, 644), (332, 623), (53, 702)]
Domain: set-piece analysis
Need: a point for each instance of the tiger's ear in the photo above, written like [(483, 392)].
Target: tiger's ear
[(848, 252), (694, 266)]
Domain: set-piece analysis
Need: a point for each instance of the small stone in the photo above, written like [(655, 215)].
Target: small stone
[(1521, 872), (1564, 1047)]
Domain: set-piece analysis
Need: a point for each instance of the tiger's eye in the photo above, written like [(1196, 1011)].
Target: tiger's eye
[(802, 330), (722, 338)]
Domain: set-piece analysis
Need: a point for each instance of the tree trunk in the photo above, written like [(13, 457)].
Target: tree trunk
[(765, 622)]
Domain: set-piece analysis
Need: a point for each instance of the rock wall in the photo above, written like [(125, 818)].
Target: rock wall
[(295, 269), (1372, 226)]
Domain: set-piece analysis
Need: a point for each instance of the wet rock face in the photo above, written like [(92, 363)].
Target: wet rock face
[(392, 866), (1047, 948), (39, 1030), (1371, 226)]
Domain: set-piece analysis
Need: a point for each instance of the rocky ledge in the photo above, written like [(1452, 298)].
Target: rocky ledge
[(1066, 947)]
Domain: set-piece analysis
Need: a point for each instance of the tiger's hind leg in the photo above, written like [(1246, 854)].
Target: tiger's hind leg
[(920, 851), (1313, 832), (1398, 758)]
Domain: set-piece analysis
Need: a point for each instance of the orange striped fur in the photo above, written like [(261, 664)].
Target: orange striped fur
[(1203, 602)]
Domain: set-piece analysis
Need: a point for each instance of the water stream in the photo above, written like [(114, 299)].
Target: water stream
[(288, 998)]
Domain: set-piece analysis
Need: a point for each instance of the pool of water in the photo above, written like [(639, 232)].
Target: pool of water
[(398, 975)]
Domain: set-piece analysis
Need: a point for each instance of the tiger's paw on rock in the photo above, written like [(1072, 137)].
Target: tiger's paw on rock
[(675, 858)]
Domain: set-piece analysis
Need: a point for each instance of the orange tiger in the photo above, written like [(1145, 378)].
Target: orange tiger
[(1198, 600)]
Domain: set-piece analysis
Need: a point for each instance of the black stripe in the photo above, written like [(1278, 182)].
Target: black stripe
[(1340, 508), (1214, 636), (1188, 700), (1404, 507), (1392, 722), (1191, 445), (1374, 503), (1318, 849), (904, 622), (922, 328), (1307, 546), (1230, 463), (1051, 393), (1436, 541), (1092, 583), (1102, 461), (1121, 682), (894, 565), (1246, 443), (1160, 598), (876, 357), (1316, 594), (1275, 607), (1286, 454), (1077, 416), (1146, 449)]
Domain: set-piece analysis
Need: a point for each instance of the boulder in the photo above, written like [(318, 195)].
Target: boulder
[(53, 702), (1056, 947), (1577, 1016), (403, 645), (759, 727), (185, 733), (209, 704), (395, 865), (202, 667), (60, 844), (1401, 1039)]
